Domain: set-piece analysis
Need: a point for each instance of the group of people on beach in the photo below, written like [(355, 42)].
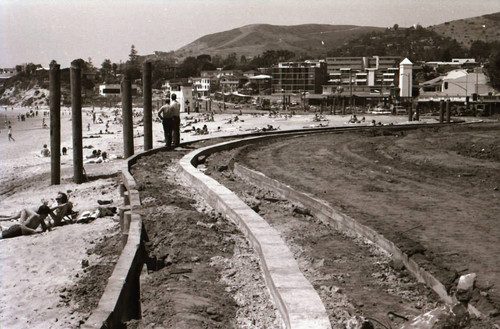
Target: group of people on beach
[(28, 220)]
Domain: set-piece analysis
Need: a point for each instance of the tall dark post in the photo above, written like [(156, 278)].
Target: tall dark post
[(128, 129), (55, 123), (448, 111), (441, 113), (417, 113), (343, 106), (410, 111), (76, 117), (148, 106)]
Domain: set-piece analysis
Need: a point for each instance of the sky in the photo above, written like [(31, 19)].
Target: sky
[(39, 31)]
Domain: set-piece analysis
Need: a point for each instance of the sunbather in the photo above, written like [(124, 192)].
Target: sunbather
[(60, 209), (29, 221)]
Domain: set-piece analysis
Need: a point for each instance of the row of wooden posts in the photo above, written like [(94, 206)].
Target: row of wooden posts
[(443, 109), (76, 117)]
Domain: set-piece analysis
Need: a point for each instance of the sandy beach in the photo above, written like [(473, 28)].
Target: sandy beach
[(36, 270)]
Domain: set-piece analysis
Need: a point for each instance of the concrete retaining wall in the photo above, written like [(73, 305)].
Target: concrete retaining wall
[(120, 301), (296, 299)]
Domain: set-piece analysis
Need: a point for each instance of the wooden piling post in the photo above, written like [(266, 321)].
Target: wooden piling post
[(76, 117), (55, 123), (128, 129), (148, 106), (448, 111), (441, 111)]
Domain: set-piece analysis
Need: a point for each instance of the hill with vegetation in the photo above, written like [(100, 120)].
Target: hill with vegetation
[(252, 40), (466, 31), (416, 43)]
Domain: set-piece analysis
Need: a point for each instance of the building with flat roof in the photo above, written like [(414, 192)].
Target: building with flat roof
[(376, 74), (295, 77)]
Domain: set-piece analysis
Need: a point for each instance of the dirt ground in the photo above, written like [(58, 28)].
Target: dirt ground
[(432, 191), (211, 277)]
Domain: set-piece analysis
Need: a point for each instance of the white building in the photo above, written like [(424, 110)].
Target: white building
[(456, 86), (464, 83), (183, 93)]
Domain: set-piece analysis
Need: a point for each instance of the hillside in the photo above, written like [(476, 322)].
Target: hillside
[(484, 28), (253, 40), (418, 44)]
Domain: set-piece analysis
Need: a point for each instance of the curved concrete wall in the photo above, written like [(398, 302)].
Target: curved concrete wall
[(120, 301), (296, 299), (329, 216)]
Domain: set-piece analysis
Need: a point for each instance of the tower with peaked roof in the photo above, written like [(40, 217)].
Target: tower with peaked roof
[(405, 78)]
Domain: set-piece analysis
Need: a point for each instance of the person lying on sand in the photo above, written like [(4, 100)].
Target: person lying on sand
[(29, 221)]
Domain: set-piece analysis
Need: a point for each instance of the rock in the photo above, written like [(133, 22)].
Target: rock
[(85, 263), (465, 287), (366, 325), (443, 317), (302, 211), (223, 168), (396, 264)]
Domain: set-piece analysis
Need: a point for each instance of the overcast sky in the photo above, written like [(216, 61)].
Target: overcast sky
[(41, 30)]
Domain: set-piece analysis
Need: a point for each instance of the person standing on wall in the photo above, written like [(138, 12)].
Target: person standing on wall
[(175, 109), (165, 115)]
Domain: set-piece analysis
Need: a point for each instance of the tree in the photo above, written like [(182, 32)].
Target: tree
[(106, 69), (114, 69), (395, 27), (480, 50), (493, 69), (230, 61), (133, 66), (204, 58), (133, 58), (189, 67)]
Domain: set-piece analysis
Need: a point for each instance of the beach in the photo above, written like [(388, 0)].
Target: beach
[(37, 270)]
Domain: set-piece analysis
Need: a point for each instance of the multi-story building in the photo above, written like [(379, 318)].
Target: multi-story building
[(295, 77), (203, 86), (358, 75)]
